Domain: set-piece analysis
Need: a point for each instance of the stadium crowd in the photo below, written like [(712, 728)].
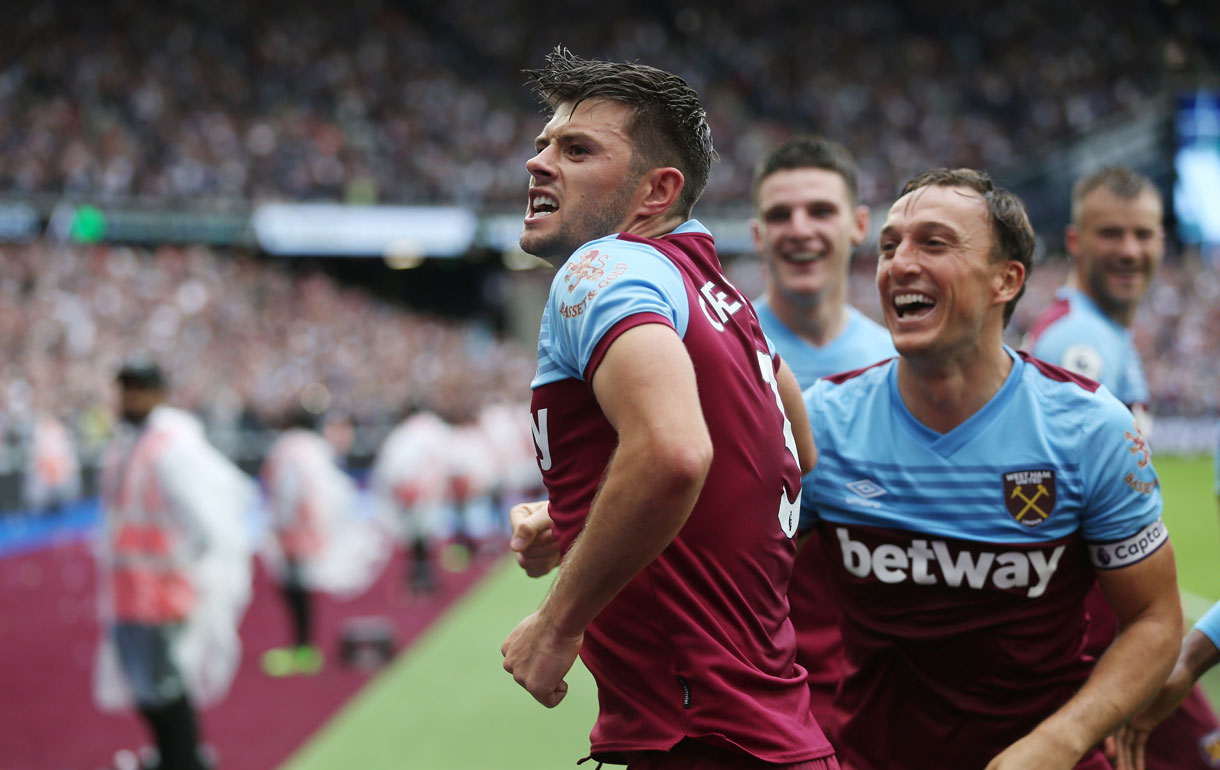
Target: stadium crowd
[(243, 338), (246, 337), (391, 102)]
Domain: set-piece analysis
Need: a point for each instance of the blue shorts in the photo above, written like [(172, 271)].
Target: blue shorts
[(146, 657)]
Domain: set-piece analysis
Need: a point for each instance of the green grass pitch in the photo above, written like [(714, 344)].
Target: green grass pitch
[(446, 704)]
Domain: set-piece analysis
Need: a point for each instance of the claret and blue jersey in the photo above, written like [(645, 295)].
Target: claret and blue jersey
[(961, 560), (1076, 334), (698, 644)]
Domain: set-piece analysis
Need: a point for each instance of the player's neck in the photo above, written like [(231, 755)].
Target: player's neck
[(943, 391), (652, 227), (818, 323)]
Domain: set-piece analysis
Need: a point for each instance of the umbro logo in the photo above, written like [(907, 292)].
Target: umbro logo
[(866, 488)]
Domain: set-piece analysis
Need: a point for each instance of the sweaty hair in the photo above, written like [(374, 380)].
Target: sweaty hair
[(1012, 234), (1121, 181), (668, 126), (809, 152)]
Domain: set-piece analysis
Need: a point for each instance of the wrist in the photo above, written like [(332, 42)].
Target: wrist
[(1064, 738), (560, 622)]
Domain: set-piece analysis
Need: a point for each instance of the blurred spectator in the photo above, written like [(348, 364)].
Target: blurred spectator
[(52, 472), (318, 542), (248, 335)]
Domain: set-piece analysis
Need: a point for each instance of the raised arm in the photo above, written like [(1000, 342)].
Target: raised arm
[(1145, 598), (646, 387)]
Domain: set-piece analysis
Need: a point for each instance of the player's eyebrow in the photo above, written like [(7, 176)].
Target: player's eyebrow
[(567, 136)]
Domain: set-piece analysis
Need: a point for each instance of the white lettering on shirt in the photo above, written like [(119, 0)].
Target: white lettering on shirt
[(927, 562), (541, 440), (720, 302)]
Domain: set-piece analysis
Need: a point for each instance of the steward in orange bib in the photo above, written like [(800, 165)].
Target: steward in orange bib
[(174, 567)]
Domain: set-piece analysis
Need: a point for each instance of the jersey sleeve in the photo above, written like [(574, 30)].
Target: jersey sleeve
[(1083, 348), (609, 282), (1122, 520), (1209, 624)]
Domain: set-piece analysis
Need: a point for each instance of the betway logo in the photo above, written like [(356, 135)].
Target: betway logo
[(929, 562)]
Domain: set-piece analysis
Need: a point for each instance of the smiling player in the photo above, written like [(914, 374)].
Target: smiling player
[(968, 498), (1117, 241)]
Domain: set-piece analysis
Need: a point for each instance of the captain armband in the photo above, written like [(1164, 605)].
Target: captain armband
[(1136, 548)]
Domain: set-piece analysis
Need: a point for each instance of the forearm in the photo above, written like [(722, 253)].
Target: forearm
[(1127, 676), (647, 495), (1199, 653)]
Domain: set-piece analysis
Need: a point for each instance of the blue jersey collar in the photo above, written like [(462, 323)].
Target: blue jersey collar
[(945, 444)]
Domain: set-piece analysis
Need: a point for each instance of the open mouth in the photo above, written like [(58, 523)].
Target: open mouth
[(803, 257), (542, 205), (913, 305)]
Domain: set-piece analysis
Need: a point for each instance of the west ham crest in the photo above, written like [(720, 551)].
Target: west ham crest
[(1029, 496)]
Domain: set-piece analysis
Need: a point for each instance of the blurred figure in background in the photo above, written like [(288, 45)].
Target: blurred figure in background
[(517, 476), (473, 477), (1117, 241), (52, 472), (410, 486), (174, 568), (807, 221), (318, 542)]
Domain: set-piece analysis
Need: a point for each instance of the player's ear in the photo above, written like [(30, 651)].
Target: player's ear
[(859, 229), (1071, 240), (660, 188), (1009, 280), (756, 235)]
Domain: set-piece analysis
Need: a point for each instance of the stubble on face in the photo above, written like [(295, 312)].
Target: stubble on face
[(589, 221), (1117, 281), (592, 203)]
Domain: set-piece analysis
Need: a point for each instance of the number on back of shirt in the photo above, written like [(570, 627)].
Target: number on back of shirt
[(789, 509)]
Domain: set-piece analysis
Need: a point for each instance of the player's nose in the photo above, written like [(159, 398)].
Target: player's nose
[(542, 165)]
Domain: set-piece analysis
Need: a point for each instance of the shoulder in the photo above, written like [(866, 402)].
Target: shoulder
[(1074, 402), (1072, 322), (169, 423), (845, 390), (600, 264), (1040, 371)]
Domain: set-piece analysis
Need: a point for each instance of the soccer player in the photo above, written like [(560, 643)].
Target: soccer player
[(659, 417), (969, 497), (1199, 653), (807, 221), (1116, 241)]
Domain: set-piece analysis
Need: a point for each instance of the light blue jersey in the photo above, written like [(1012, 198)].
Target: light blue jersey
[(613, 279), (1209, 624), (1044, 459), (863, 341), (961, 561), (1074, 333)]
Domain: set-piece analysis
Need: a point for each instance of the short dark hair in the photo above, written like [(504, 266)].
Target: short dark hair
[(1124, 182), (1012, 234), (809, 152), (669, 125), (141, 373)]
